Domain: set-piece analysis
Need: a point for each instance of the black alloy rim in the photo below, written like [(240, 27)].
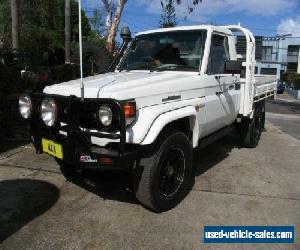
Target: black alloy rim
[(172, 172)]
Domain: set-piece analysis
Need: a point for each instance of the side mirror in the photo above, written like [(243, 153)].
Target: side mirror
[(233, 67)]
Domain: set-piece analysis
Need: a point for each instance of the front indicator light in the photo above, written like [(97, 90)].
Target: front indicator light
[(129, 112)]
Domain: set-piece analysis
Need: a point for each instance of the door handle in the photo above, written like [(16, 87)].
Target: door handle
[(219, 77), (230, 87)]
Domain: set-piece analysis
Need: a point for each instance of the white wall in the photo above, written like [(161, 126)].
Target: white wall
[(280, 46)]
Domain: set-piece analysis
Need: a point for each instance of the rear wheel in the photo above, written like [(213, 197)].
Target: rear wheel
[(251, 129), (161, 180), (263, 113)]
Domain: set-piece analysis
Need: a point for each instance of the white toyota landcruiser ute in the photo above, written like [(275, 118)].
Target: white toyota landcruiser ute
[(173, 90)]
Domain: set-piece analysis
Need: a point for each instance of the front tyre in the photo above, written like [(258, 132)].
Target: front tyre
[(68, 171), (162, 179)]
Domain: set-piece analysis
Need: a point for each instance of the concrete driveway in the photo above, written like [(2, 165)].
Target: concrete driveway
[(285, 114), (233, 186)]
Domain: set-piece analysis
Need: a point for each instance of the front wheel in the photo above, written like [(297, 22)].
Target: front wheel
[(161, 180), (68, 171)]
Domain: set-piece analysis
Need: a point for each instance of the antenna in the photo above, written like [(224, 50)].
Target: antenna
[(80, 52)]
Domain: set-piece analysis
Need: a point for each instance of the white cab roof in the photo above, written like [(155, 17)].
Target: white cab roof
[(194, 27)]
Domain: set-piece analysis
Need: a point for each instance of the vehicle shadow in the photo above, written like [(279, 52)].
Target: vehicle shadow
[(23, 200), (7, 144), (206, 158), (107, 184)]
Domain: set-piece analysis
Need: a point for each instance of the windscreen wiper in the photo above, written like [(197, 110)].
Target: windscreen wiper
[(138, 66), (174, 67)]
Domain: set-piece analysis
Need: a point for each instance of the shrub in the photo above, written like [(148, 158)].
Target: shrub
[(292, 80), (296, 81), (64, 73)]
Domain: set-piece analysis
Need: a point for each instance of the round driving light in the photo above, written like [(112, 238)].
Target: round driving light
[(105, 115), (49, 112), (25, 106)]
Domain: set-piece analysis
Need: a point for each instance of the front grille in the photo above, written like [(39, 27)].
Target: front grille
[(86, 114)]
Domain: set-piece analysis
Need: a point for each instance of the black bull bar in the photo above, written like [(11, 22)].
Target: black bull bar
[(78, 138)]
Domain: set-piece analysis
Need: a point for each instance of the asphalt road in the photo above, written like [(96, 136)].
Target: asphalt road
[(233, 186), (285, 114)]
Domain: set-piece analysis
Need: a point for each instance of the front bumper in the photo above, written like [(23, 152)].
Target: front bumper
[(90, 157), (76, 141)]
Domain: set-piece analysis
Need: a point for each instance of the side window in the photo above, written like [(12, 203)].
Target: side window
[(219, 53)]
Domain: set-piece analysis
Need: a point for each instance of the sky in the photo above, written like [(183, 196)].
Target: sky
[(262, 17)]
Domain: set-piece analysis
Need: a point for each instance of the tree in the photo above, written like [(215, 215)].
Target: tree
[(97, 23), (190, 7), (168, 16), (113, 21), (15, 23), (5, 24), (67, 31), (42, 29)]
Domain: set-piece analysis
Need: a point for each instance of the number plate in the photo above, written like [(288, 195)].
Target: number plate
[(52, 148)]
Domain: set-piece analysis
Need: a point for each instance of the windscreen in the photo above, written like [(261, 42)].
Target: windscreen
[(174, 50)]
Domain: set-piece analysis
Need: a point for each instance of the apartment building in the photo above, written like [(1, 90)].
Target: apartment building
[(275, 55)]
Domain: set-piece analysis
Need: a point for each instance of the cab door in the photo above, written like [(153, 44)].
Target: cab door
[(221, 97)]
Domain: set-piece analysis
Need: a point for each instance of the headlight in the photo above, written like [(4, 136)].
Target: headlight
[(49, 112), (25, 106), (105, 115)]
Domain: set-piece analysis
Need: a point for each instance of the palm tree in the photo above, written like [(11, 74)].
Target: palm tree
[(67, 31)]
